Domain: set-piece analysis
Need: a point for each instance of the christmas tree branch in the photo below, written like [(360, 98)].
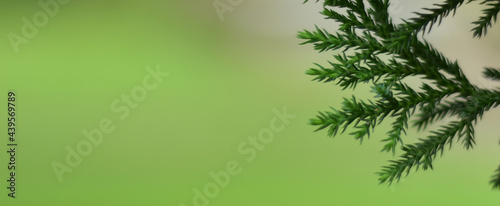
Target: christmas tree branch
[(489, 16), (384, 54)]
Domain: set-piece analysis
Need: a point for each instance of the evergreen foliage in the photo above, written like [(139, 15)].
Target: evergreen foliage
[(369, 35)]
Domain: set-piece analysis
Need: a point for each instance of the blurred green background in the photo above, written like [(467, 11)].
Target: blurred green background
[(226, 77)]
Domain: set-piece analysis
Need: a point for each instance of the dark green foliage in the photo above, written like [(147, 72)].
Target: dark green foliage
[(495, 180), (492, 73), (384, 54), (489, 16)]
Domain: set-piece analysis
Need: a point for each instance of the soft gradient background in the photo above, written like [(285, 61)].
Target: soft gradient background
[(225, 79)]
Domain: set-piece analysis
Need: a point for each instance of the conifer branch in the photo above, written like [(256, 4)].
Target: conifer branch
[(366, 37), (495, 179), (489, 16), (421, 154), (425, 21), (492, 73)]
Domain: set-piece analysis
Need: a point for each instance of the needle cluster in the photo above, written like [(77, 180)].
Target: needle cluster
[(378, 52)]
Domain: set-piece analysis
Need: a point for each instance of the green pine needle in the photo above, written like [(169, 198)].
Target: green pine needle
[(383, 55)]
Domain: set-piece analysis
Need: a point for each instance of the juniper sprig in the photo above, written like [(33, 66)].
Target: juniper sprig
[(376, 51)]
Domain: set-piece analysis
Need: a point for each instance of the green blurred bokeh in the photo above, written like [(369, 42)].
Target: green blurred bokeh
[(226, 77)]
